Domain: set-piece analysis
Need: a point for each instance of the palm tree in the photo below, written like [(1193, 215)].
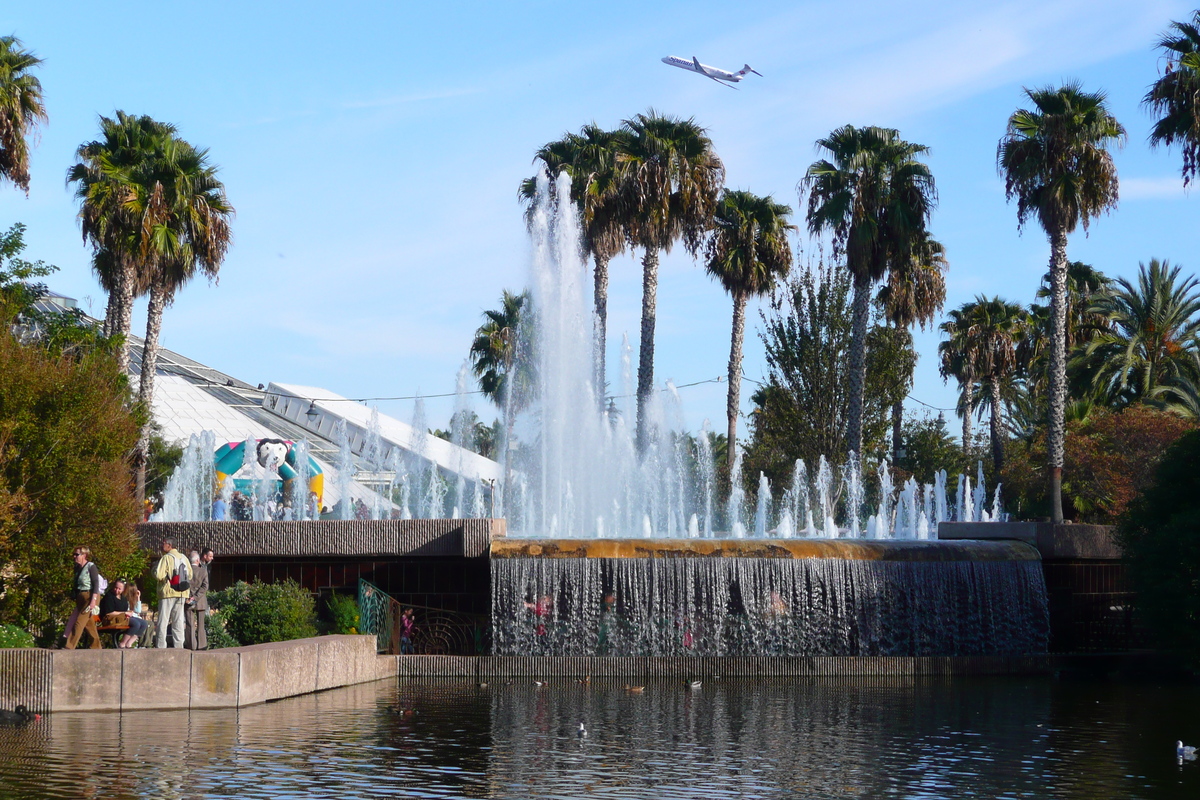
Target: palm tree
[(1152, 335), (21, 109), (954, 362), (747, 252), (1056, 165), (875, 196), (114, 178), (188, 216), (990, 331), (590, 159), (1175, 97), (670, 182), (913, 295)]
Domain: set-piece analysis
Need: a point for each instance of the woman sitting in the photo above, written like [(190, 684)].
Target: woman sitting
[(115, 609)]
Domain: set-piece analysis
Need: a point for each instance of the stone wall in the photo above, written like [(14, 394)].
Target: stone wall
[(138, 679)]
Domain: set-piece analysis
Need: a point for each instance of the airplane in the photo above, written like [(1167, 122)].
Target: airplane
[(718, 75)]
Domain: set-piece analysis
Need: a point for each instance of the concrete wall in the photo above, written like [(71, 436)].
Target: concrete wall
[(492, 667), (1067, 541), (120, 680)]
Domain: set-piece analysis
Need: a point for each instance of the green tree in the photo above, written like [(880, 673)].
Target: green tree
[(188, 213), (802, 410), (954, 362), (1056, 165), (929, 448), (21, 109), (120, 212), (1151, 335), (748, 253), (590, 159), (1084, 282), (1175, 97), (257, 613), (875, 196), (670, 181), (67, 420), (1162, 550), (986, 335)]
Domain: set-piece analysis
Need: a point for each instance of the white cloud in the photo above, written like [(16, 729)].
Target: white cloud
[(1165, 188)]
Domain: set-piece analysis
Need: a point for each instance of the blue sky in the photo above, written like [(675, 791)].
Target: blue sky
[(373, 154)]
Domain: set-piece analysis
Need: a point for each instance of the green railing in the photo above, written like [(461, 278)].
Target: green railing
[(436, 631)]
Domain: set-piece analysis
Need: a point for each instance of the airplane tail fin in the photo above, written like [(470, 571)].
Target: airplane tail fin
[(747, 68)]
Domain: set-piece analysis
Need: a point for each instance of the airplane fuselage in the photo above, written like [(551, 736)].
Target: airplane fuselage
[(712, 72)]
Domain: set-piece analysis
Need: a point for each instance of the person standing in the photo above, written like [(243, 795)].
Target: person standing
[(86, 591), (171, 599), (196, 637)]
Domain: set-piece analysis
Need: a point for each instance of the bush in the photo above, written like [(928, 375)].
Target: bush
[(218, 635), (256, 613), (12, 636), (1160, 535), (343, 612), (1109, 458)]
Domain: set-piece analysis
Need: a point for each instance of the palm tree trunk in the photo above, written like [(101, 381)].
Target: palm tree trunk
[(997, 419), (123, 316), (646, 349), (158, 300), (968, 410), (601, 331), (897, 430), (732, 405), (858, 362), (1056, 432)]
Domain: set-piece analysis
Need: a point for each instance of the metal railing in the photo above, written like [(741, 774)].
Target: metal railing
[(436, 631)]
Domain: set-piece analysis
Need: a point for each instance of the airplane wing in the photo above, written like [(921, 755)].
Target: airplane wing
[(707, 74)]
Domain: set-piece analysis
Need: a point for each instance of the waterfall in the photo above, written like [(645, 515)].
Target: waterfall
[(763, 606)]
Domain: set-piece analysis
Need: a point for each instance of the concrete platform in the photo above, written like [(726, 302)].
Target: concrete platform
[(1003, 549), (1054, 542), (139, 679)]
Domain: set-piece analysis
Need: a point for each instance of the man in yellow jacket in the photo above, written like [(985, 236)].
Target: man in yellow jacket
[(172, 596)]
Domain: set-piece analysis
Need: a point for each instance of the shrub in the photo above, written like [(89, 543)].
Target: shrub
[(1160, 535), (343, 612), (12, 636), (266, 612), (218, 635)]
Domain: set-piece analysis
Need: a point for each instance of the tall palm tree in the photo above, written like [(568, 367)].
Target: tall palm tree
[(747, 252), (188, 215), (875, 196), (21, 109), (502, 362), (114, 177), (1175, 97), (913, 294), (1152, 335), (1084, 282), (670, 182), (1056, 164), (990, 331), (955, 362), (590, 159)]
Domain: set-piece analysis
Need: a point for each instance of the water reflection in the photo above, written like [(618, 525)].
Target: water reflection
[(818, 739)]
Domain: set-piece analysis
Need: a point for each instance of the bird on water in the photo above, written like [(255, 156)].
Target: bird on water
[(1184, 751), (582, 732), (18, 716)]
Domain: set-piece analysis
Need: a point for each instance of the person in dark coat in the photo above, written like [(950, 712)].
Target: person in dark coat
[(196, 636)]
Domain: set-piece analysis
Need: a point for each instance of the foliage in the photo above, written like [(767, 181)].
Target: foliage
[(164, 458), (218, 633), (258, 612), (12, 636), (1175, 97), (801, 412), (343, 612), (1110, 457), (1160, 537), (67, 420), (1151, 335), (21, 109), (928, 448), (502, 353)]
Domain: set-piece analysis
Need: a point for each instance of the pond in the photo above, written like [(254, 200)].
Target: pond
[(863, 738)]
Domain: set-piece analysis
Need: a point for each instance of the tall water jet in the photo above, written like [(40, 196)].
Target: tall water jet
[(941, 509), (708, 475), (854, 494), (886, 492), (979, 496), (737, 499), (345, 471), (763, 508), (301, 507)]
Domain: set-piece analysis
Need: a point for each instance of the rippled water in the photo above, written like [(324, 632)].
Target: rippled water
[(1000, 738)]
